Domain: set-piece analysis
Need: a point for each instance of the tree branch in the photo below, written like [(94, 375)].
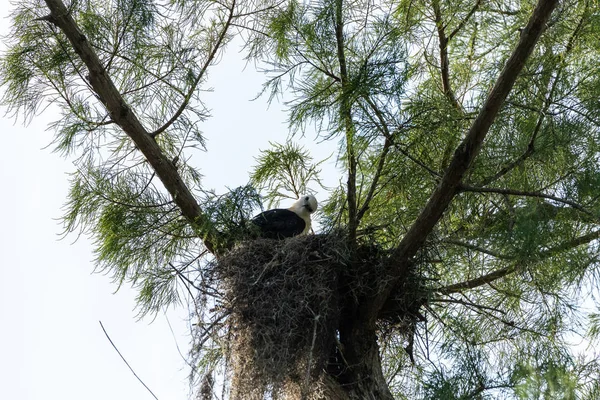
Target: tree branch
[(315, 66), (482, 280), (124, 116), (467, 304), (571, 244), (382, 157), (512, 192), (464, 155), (382, 126), (501, 273), (478, 248), (465, 20), (444, 62), (346, 114), (543, 112), (436, 175), (207, 63), (373, 187), (125, 361)]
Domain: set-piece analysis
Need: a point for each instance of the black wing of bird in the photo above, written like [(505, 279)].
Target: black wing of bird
[(279, 223)]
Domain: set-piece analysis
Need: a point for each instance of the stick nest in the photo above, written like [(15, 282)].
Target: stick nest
[(285, 300)]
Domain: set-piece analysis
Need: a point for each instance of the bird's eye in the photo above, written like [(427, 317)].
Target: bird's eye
[(306, 198)]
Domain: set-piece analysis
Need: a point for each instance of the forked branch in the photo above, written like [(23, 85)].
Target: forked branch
[(443, 40), (399, 262)]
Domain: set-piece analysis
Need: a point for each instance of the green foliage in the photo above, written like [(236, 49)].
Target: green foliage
[(157, 60), (543, 142), (301, 50), (229, 213), (547, 380), (140, 236), (286, 171), (154, 59), (525, 219)]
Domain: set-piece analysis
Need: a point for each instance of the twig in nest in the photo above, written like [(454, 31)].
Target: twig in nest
[(266, 267), (310, 355)]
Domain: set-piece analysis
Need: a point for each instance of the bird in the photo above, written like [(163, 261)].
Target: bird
[(282, 223)]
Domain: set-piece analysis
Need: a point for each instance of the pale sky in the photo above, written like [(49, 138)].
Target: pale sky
[(51, 344)]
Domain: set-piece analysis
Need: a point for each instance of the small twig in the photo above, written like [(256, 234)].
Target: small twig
[(268, 265), (192, 366), (312, 347), (48, 18), (389, 136), (201, 74), (467, 303), (480, 249), (465, 20), (125, 361), (476, 282)]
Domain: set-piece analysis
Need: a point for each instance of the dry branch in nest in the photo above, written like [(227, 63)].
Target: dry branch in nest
[(285, 300)]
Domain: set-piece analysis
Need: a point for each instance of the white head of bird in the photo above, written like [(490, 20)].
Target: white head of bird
[(303, 207)]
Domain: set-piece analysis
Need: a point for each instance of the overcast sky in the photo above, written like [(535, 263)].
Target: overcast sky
[(51, 344)]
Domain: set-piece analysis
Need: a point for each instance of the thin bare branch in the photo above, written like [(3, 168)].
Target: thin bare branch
[(125, 361)]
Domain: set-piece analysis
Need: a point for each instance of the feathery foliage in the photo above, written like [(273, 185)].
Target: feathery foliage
[(286, 171), (487, 299)]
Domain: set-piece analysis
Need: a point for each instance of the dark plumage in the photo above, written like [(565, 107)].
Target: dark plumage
[(281, 223)]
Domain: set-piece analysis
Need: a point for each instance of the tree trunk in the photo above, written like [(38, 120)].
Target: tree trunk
[(360, 375), (354, 370), (354, 373)]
